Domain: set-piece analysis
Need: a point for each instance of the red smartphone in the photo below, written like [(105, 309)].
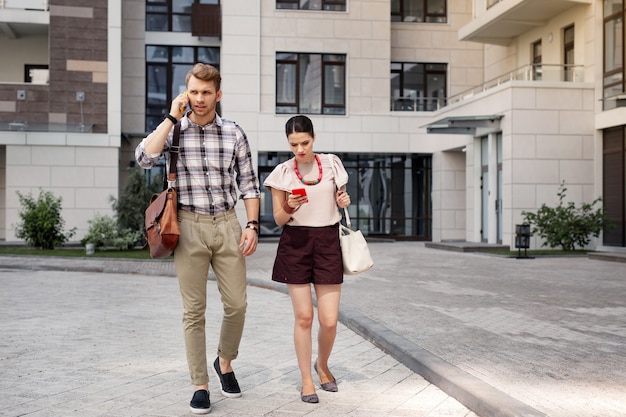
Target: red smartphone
[(299, 191)]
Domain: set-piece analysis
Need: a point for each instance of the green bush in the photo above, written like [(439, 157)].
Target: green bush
[(133, 202), (41, 223), (567, 226), (127, 228), (105, 232)]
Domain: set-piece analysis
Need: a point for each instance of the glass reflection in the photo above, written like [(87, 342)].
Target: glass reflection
[(390, 194)]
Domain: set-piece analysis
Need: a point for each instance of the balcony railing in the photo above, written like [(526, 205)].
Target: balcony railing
[(23, 126), (31, 109), (532, 72), (417, 103), (24, 4)]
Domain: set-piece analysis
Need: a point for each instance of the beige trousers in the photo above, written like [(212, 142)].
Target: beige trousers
[(210, 241)]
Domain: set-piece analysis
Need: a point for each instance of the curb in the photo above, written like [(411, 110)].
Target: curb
[(478, 396)]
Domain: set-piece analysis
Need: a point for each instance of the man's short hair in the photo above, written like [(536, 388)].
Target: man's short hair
[(205, 72)]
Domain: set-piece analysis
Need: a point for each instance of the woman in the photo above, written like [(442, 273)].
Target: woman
[(308, 251)]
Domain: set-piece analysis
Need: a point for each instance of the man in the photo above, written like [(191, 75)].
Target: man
[(214, 160)]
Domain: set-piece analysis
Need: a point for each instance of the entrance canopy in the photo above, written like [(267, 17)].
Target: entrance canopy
[(466, 125)]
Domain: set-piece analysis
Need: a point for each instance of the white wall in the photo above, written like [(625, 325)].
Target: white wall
[(370, 41), (83, 176), (551, 36), (362, 33), (133, 56), (23, 50), (438, 43), (449, 196), (548, 137)]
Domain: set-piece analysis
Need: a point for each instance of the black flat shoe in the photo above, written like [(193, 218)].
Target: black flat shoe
[(200, 403), (328, 386), (228, 382), (309, 398)]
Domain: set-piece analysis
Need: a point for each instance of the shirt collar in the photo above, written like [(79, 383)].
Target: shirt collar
[(186, 122)]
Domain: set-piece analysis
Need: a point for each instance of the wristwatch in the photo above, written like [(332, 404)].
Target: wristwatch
[(253, 224)]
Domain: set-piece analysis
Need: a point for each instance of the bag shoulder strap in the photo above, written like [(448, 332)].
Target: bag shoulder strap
[(171, 176), (345, 212)]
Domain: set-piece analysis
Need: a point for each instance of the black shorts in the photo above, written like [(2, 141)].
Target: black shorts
[(309, 255)]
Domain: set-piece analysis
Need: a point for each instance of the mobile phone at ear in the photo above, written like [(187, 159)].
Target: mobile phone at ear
[(184, 107), (299, 191)]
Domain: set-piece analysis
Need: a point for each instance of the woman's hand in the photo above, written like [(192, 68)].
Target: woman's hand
[(295, 200), (343, 199)]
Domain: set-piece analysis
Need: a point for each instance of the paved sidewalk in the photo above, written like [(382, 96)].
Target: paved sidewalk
[(504, 336), (84, 343)]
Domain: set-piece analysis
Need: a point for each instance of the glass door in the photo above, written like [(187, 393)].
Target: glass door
[(499, 188), (484, 188)]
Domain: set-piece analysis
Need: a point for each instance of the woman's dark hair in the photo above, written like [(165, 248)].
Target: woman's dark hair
[(299, 124)]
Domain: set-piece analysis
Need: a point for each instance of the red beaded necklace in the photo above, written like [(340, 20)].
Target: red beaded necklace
[(314, 182)]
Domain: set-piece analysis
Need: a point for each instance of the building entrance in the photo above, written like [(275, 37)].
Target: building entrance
[(390, 193)]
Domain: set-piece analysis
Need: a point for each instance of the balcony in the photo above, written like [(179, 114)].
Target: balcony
[(503, 20), (46, 127), (26, 109), (418, 104), (206, 20), (533, 72), (19, 18)]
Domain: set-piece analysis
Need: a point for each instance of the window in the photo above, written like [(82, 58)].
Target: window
[(171, 15), (420, 11), (614, 184), (613, 80), (536, 51), (331, 5), (36, 74), (418, 87), (166, 68), (310, 83), (568, 53), (390, 193)]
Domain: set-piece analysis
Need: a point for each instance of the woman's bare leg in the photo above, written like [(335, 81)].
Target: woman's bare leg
[(302, 302), (328, 297)]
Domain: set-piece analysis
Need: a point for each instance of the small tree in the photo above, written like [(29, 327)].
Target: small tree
[(566, 225), (41, 223), (134, 200)]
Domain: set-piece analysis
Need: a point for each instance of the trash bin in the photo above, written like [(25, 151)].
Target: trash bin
[(522, 236), (522, 239)]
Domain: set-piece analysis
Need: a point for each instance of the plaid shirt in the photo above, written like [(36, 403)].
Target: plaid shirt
[(212, 159)]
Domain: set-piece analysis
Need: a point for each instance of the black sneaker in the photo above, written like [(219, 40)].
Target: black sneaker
[(228, 382), (200, 402)]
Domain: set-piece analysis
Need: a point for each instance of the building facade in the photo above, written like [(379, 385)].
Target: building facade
[(60, 107), (453, 117)]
